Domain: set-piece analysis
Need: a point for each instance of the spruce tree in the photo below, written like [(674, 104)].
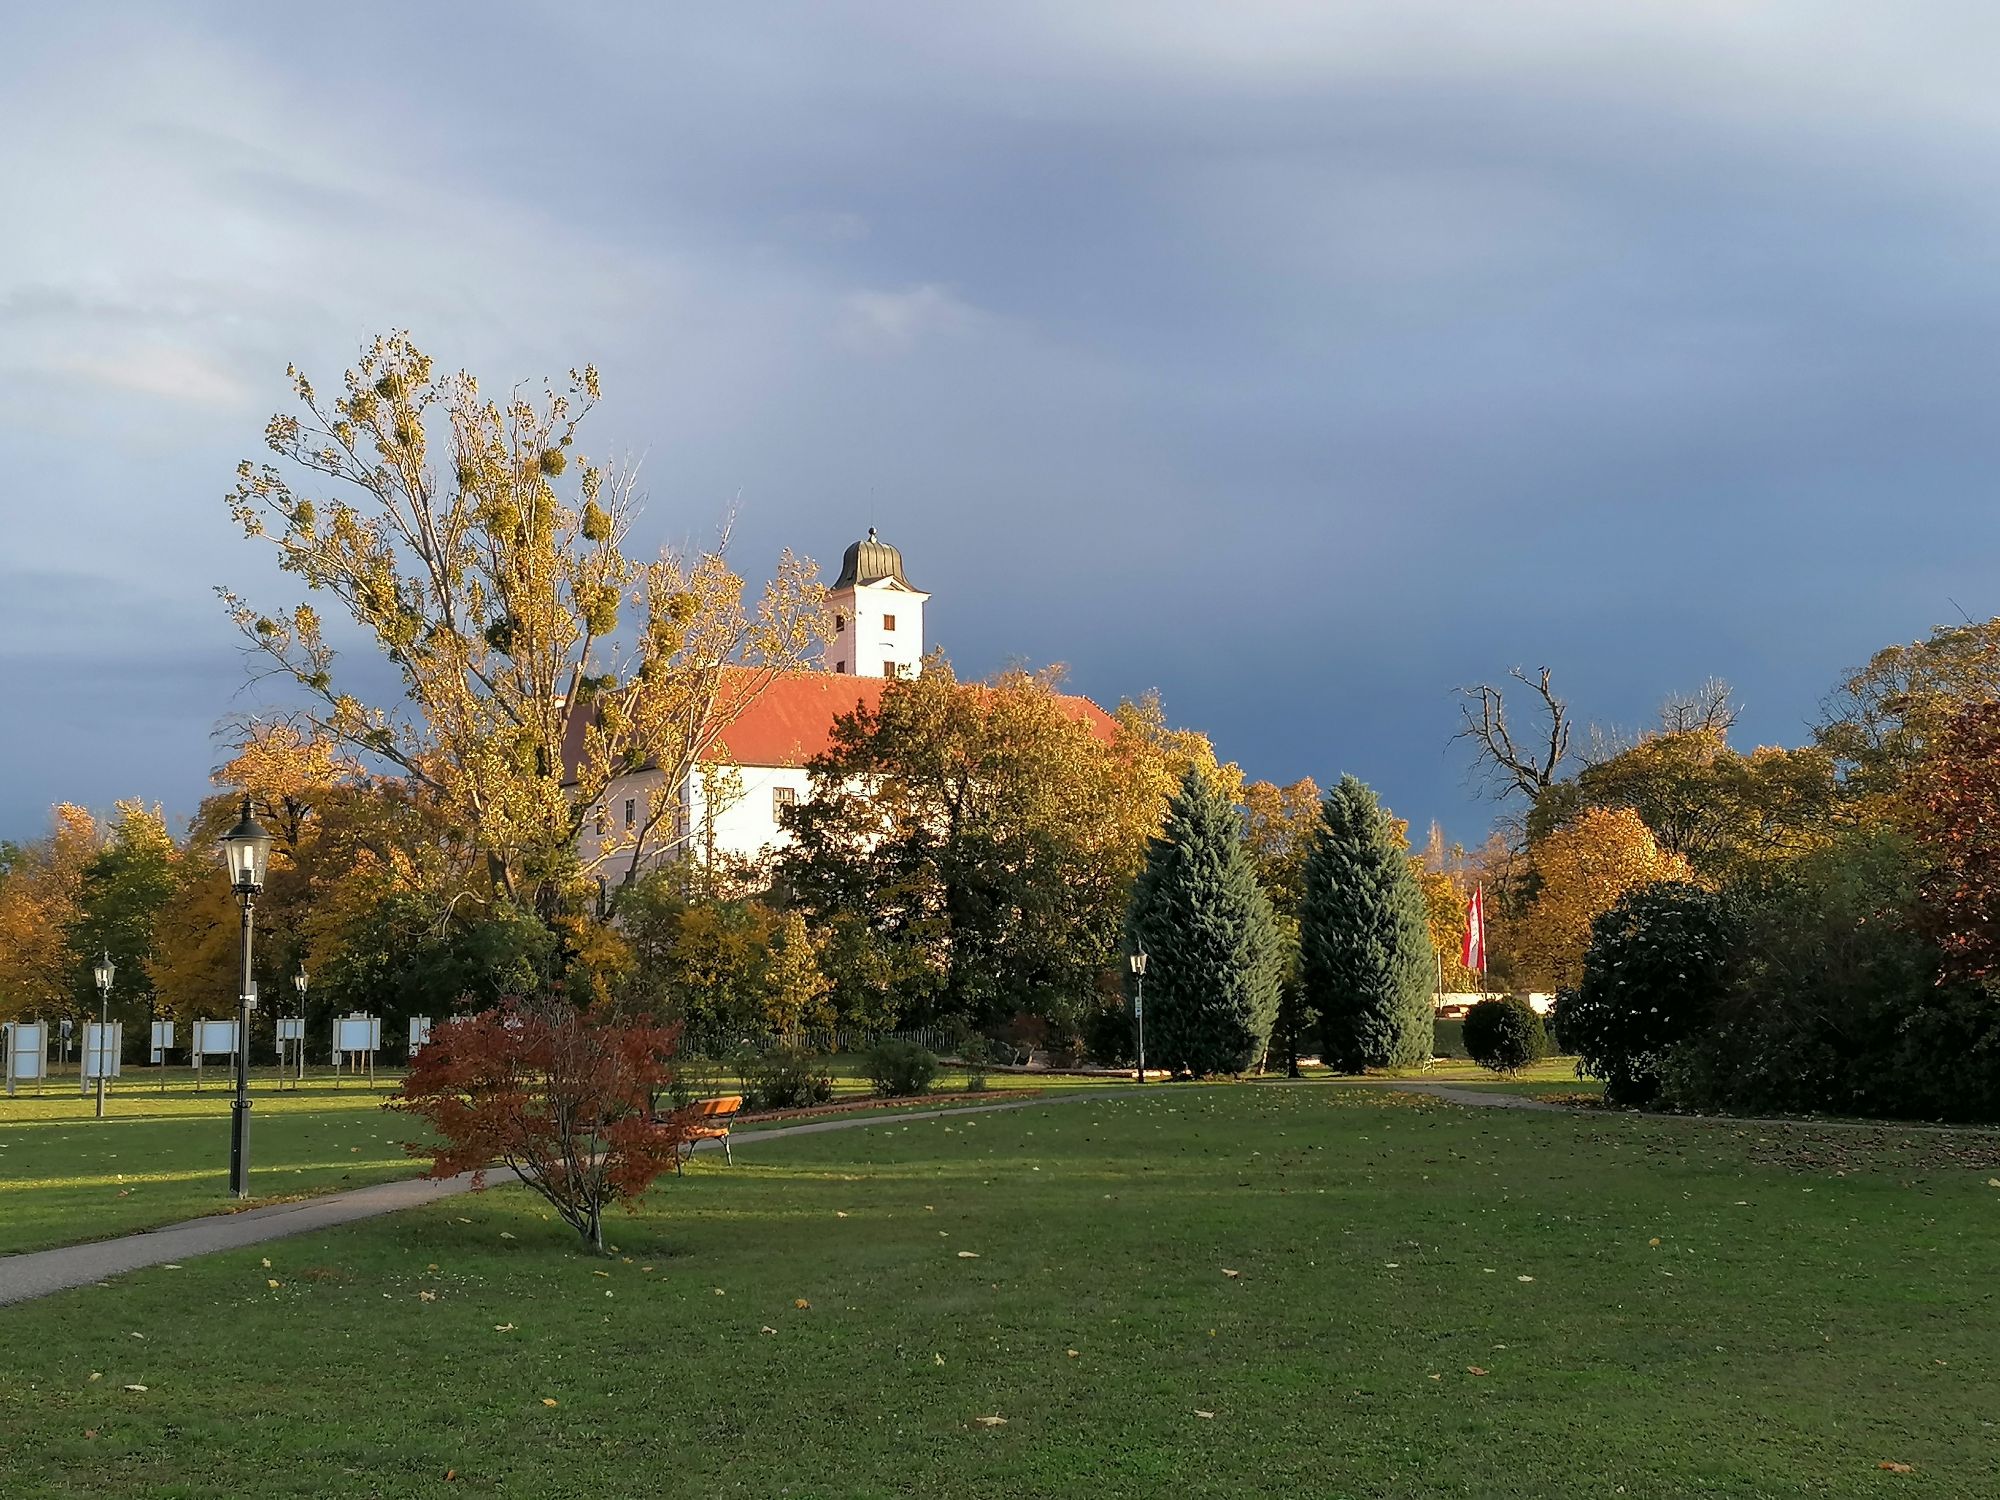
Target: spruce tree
[(1365, 955), (1206, 925)]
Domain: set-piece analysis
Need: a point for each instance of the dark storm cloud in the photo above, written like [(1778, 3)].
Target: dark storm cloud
[(1303, 361)]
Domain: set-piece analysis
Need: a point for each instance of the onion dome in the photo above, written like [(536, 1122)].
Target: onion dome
[(871, 561)]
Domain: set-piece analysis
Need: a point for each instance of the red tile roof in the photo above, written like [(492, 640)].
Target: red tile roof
[(791, 720)]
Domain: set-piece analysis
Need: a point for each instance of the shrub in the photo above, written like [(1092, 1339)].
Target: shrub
[(1654, 973), (784, 1078), (1505, 1034), (901, 1070), (1835, 1003), (561, 1097)]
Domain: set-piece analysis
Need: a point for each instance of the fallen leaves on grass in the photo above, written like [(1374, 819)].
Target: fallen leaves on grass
[(506, 1235), (96, 1374), (271, 1282), (549, 1401), (1232, 1275), (968, 1255), (801, 1304), (991, 1421), (1524, 1278), (720, 1292), (1654, 1241), (1895, 1468), (767, 1328), (1209, 1415), (424, 1296), (1474, 1370), (503, 1327), (135, 1388)]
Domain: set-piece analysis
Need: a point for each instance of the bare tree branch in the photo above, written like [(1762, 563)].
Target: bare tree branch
[(1498, 758)]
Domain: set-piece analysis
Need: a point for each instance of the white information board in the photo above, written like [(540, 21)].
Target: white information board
[(357, 1033), (163, 1040), (291, 1028), (27, 1049), (420, 1032), (104, 1049), (213, 1039)]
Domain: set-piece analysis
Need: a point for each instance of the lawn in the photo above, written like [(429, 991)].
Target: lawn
[(1227, 1291), (156, 1158), (160, 1157)]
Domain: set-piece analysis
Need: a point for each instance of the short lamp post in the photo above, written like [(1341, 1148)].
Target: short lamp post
[(248, 850), (301, 982), (1139, 1006), (105, 971)]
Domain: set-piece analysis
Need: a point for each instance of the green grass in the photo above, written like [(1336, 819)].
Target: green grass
[(66, 1176), (1712, 1310)]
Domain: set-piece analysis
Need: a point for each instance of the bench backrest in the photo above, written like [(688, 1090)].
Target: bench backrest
[(714, 1108)]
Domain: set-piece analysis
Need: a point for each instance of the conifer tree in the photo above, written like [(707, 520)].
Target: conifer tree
[(1365, 956), (1200, 915)]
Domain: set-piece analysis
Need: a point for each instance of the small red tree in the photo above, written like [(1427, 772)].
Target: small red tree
[(561, 1096)]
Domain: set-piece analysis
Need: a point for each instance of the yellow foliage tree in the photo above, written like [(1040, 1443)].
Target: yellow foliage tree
[(40, 901), (1580, 870), (538, 658)]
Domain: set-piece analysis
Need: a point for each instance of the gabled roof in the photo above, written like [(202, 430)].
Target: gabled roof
[(791, 721)]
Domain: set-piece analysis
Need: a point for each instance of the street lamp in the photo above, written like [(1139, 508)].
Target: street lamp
[(248, 850), (301, 982), (105, 971), (1139, 1007)]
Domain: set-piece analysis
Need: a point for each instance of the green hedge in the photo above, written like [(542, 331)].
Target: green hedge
[(1450, 1039)]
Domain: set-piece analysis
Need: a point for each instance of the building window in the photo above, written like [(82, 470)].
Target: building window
[(888, 622), (783, 797), (603, 820), (888, 669), (631, 811), (840, 666), (839, 623)]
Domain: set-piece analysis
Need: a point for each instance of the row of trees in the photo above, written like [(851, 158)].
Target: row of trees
[(1788, 929)]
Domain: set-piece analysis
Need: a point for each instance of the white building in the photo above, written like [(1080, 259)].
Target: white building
[(878, 614), (733, 805)]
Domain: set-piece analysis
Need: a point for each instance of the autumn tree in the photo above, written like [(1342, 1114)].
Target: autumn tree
[(1578, 872), (1199, 913), (989, 833), (1880, 721), (1365, 958), (1705, 801), (1954, 812), (1278, 826), (538, 657), (562, 1098), (124, 890), (40, 903)]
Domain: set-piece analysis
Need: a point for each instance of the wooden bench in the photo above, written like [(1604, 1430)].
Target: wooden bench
[(709, 1120)]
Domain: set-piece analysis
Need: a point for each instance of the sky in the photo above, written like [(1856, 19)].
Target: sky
[(1301, 361)]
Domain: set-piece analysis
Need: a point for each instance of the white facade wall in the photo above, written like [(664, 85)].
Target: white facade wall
[(745, 808), (746, 819), (862, 640)]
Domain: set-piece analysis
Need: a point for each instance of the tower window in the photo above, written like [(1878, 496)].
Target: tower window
[(888, 669), (631, 811), (783, 797), (840, 666), (839, 622), (888, 622)]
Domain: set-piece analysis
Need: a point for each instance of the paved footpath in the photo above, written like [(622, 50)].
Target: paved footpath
[(40, 1272)]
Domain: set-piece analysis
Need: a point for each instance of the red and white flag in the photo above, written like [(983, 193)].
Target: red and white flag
[(1473, 954)]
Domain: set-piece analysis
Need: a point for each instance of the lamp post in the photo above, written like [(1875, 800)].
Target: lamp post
[(105, 971), (248, 850), (301, 982), (1139, 1007)]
